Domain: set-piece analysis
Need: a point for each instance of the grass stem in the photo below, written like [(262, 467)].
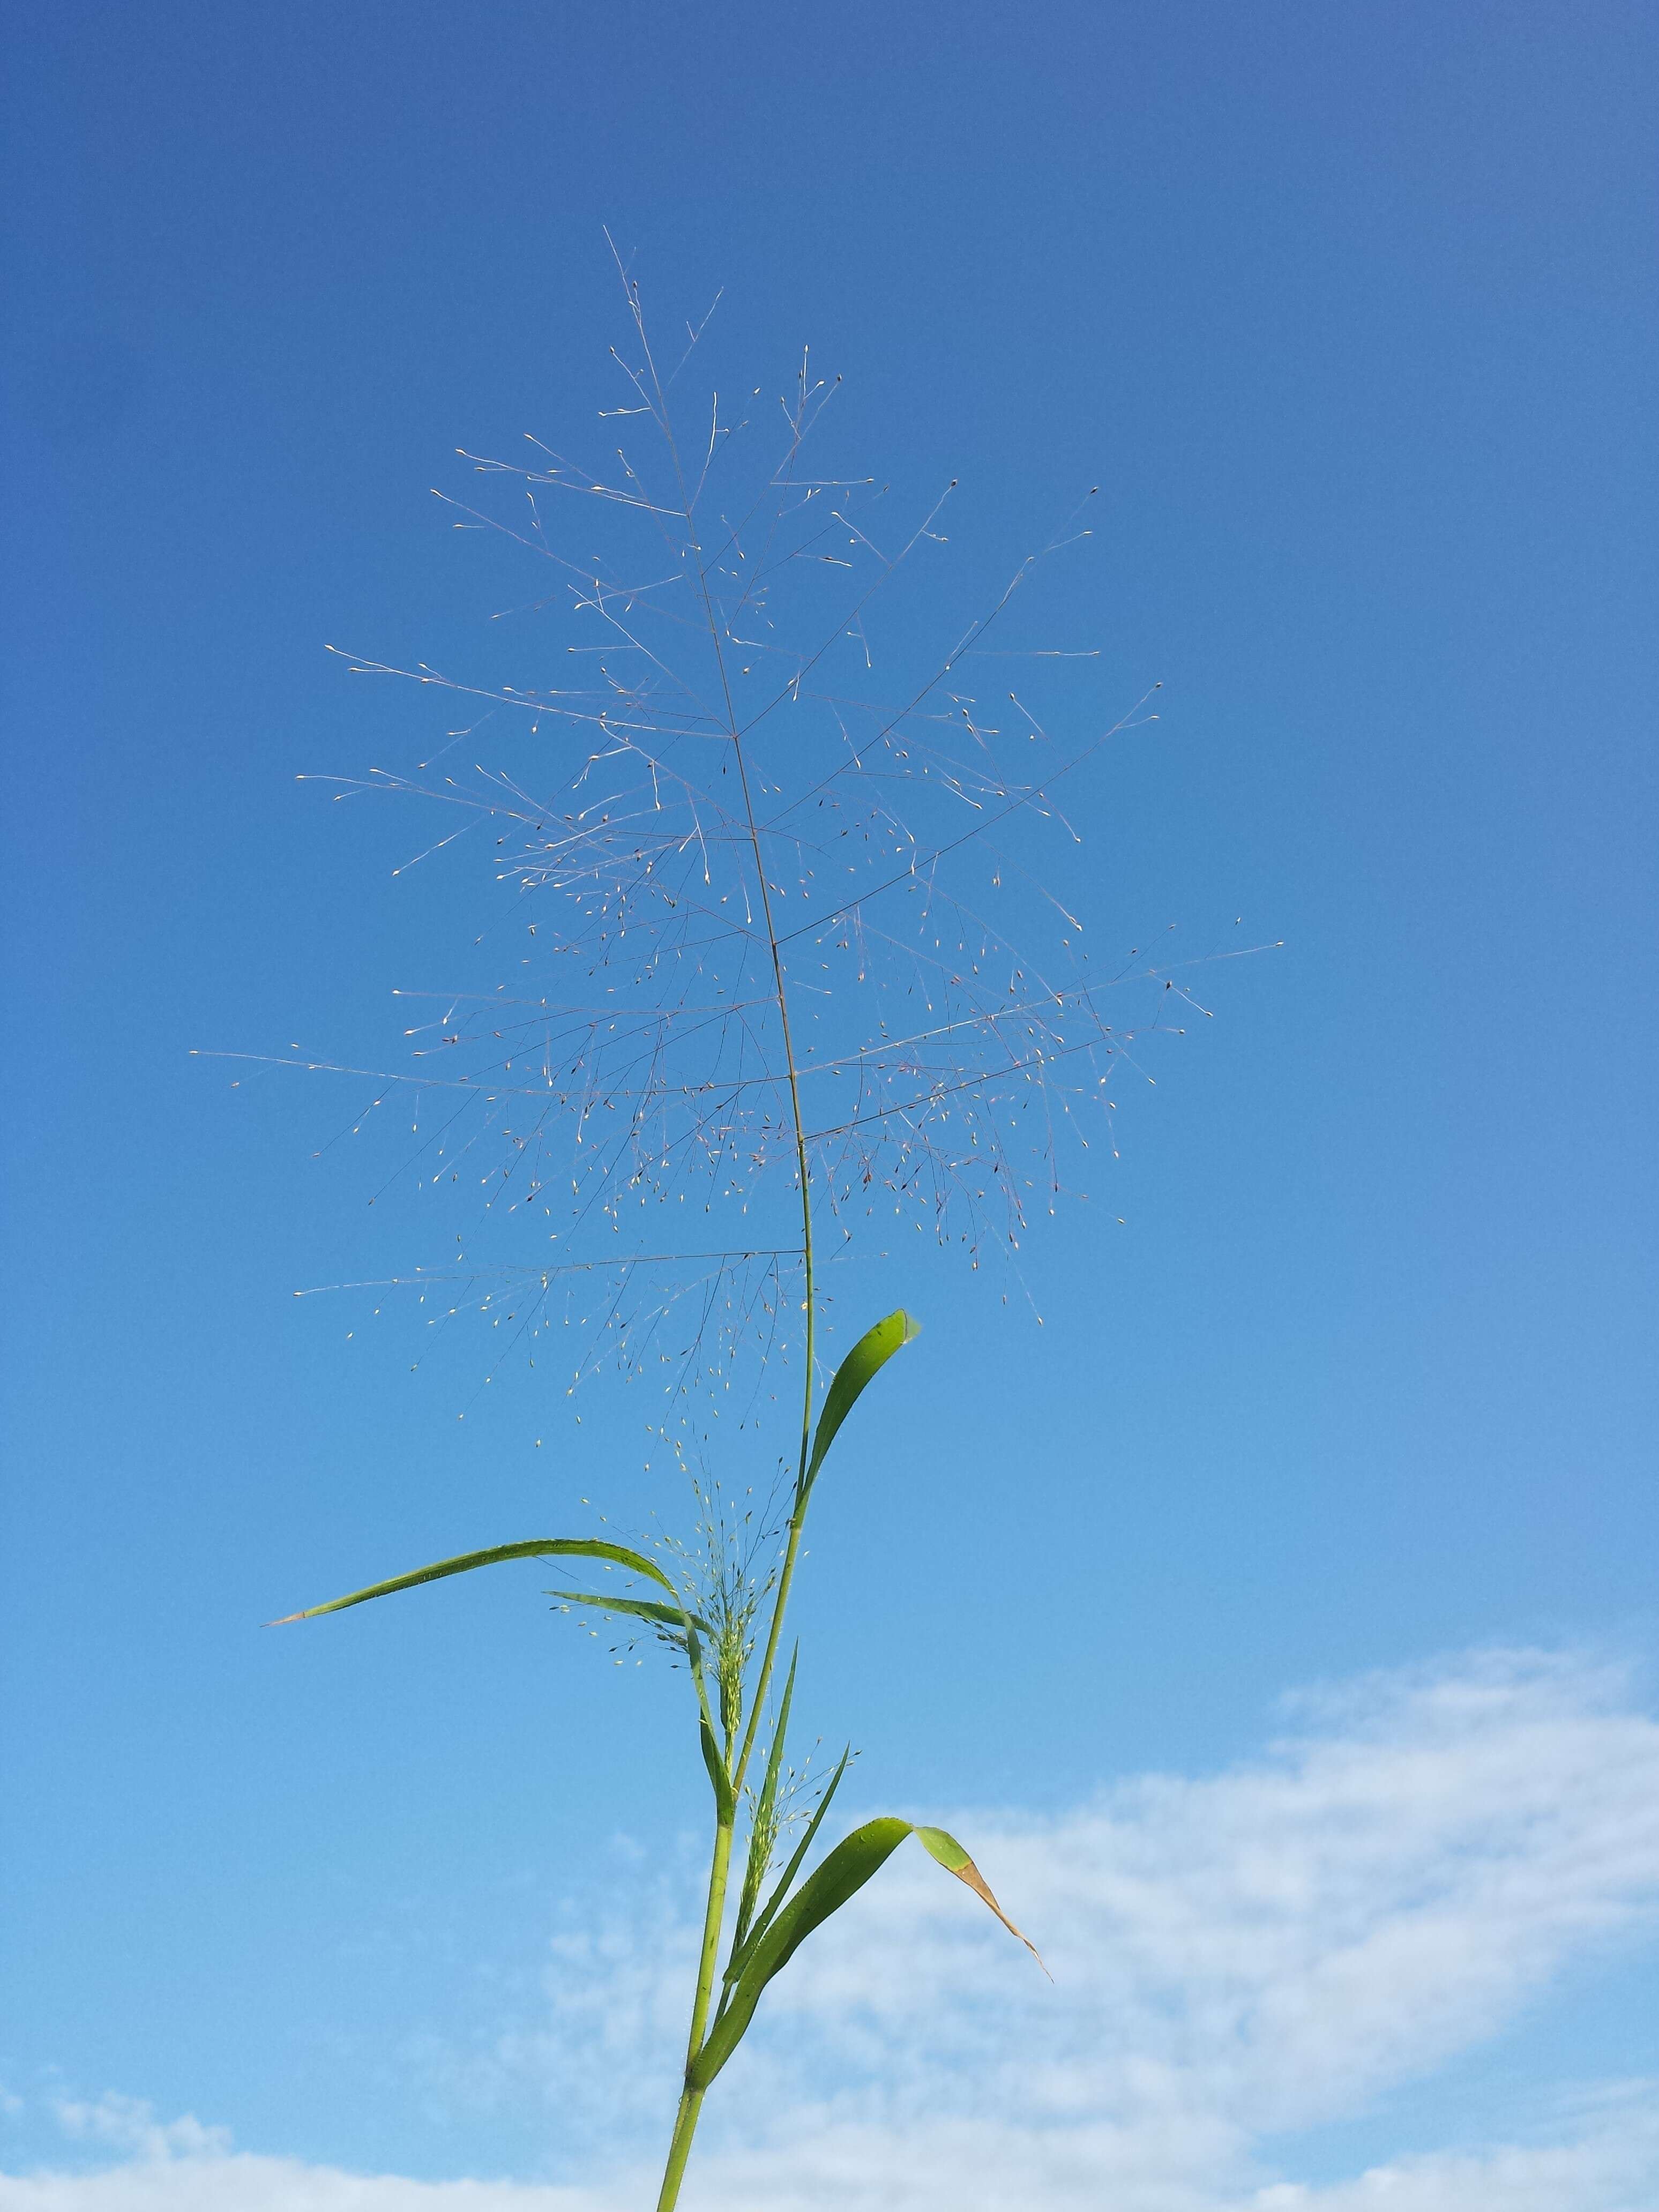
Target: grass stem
[(685, 2126)]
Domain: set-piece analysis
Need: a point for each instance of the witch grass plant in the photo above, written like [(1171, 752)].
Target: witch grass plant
[(789, 957)]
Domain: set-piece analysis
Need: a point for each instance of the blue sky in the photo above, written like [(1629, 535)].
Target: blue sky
[(1350, 315)]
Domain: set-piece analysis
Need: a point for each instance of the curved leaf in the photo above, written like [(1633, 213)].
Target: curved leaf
[(539, 1548), (666, 1616), (726, 1803), (841, 1875), (861, 1366)]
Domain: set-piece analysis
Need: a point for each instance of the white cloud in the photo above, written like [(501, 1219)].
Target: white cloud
[(1237, 1958), (129, 2123), (1612, 2165), (244, 2183)]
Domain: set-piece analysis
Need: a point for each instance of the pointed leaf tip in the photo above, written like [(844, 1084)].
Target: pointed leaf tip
[(860, 1367), (941, 1845)]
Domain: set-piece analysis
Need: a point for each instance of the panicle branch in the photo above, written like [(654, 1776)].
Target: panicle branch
[(715, 825)]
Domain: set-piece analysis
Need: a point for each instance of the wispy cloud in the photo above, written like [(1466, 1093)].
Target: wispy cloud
[(1237, 1959)]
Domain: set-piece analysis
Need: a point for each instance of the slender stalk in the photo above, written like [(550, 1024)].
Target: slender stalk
[(679, 2150), (691, 2103), (776, 949), (719, 1874), (685, 2119)]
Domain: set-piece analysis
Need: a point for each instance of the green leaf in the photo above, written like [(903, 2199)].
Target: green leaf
[(761, 1831), (726, 1803), (861, 1366), (666, 1616), (742, 1946), (841, 1875), (540, 1547)]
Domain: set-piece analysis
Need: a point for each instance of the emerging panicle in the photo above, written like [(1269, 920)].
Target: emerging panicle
[(727, 1569)]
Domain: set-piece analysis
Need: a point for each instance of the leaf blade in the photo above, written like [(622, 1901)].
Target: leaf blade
[(842, 1875), (860, 1367), (665, 1616), (726, 1803), (768, 1912), (538, 1547), (942, 1846)]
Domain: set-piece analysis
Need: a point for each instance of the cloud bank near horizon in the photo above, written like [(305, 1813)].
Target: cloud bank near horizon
[(1408, 1872)]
